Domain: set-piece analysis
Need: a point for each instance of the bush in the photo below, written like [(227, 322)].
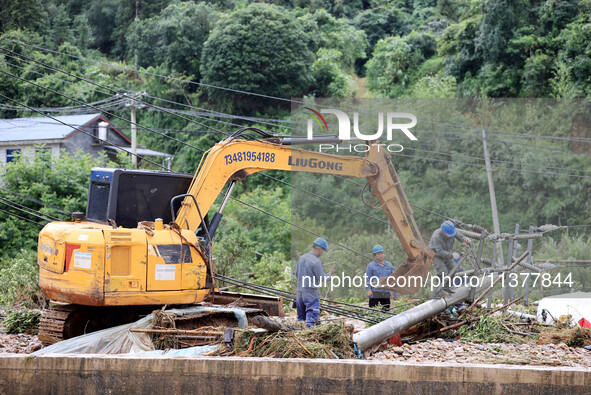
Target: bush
[(19, 277), (20, 321)]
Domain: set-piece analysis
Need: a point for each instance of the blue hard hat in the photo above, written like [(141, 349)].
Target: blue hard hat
[(377, 248), (321, 242), (448, 228)]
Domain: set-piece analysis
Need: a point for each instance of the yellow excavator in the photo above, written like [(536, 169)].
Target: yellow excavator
[(146, 237)]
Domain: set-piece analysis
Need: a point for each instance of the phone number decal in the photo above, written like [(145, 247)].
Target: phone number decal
[(250, 156)]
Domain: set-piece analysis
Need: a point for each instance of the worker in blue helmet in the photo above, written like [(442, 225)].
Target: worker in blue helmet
[(310, 275), (441, 244), (377, 269)]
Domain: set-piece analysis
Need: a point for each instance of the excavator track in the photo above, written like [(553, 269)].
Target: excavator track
[(60, 322), (64, 321), (52, 323)]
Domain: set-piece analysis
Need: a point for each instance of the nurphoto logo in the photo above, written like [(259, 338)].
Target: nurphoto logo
[(392, 121)]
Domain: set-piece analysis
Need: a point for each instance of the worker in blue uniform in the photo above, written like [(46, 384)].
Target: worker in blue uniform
[(441, 244), (310, 276), (376, 269)]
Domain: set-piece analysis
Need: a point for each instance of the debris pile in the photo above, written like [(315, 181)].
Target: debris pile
[(572, 337), (165, 335), (330, 340)]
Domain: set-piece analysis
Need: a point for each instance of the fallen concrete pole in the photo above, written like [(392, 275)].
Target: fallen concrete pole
[(392, 326)]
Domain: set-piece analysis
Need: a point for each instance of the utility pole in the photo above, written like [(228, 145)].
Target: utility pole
[(133, 138), (131, 102), (493, 200)]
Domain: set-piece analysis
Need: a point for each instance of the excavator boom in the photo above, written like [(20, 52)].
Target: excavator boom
[(234, 160)]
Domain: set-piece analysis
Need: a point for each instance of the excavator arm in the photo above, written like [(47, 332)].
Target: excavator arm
[(233, 160)]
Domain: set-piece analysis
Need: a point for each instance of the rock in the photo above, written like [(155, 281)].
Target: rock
[(398, 350)]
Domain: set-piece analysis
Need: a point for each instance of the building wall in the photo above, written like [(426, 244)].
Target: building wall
[(90, 144), (78, 141), (28, 150)]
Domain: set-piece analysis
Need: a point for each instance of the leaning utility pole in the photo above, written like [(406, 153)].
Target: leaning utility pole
[(493, 200)]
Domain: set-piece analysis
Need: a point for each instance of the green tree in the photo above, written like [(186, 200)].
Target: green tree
[(261, 48), (173, 38), (336, 34), (330, 79), (388, 68), (19, 14), (60, 29)]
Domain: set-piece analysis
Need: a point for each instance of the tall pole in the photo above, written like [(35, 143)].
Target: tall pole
[(133, 138), (493, 200)]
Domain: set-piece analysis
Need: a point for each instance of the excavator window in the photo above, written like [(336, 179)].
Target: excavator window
[(131, 196)]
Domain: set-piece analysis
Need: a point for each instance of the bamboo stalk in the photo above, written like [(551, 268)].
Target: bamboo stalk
[(177, 332)]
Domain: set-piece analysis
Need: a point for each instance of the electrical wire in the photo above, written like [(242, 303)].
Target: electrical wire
[(494, 167), (19, 217), (211, 112), (37, 201), (238, 91), (102, 86), (195, 147), (30, 211), (496, 160), (304, 229), (81, 130)]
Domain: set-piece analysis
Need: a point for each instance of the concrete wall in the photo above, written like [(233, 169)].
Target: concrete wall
[(94, 374)]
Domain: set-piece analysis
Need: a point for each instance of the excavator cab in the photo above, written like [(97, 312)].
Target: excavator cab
[(131, 196)]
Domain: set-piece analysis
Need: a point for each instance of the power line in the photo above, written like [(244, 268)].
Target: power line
[(585, 140), (496, 160), (159, 75), (326, 198), (102, 86), (210, 112), (29, 211), (495, 167), (115, 90), (19, 217), (302, 228), (41, 74), (81, 130), (494, 137), (37, 201), (108, 113)]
